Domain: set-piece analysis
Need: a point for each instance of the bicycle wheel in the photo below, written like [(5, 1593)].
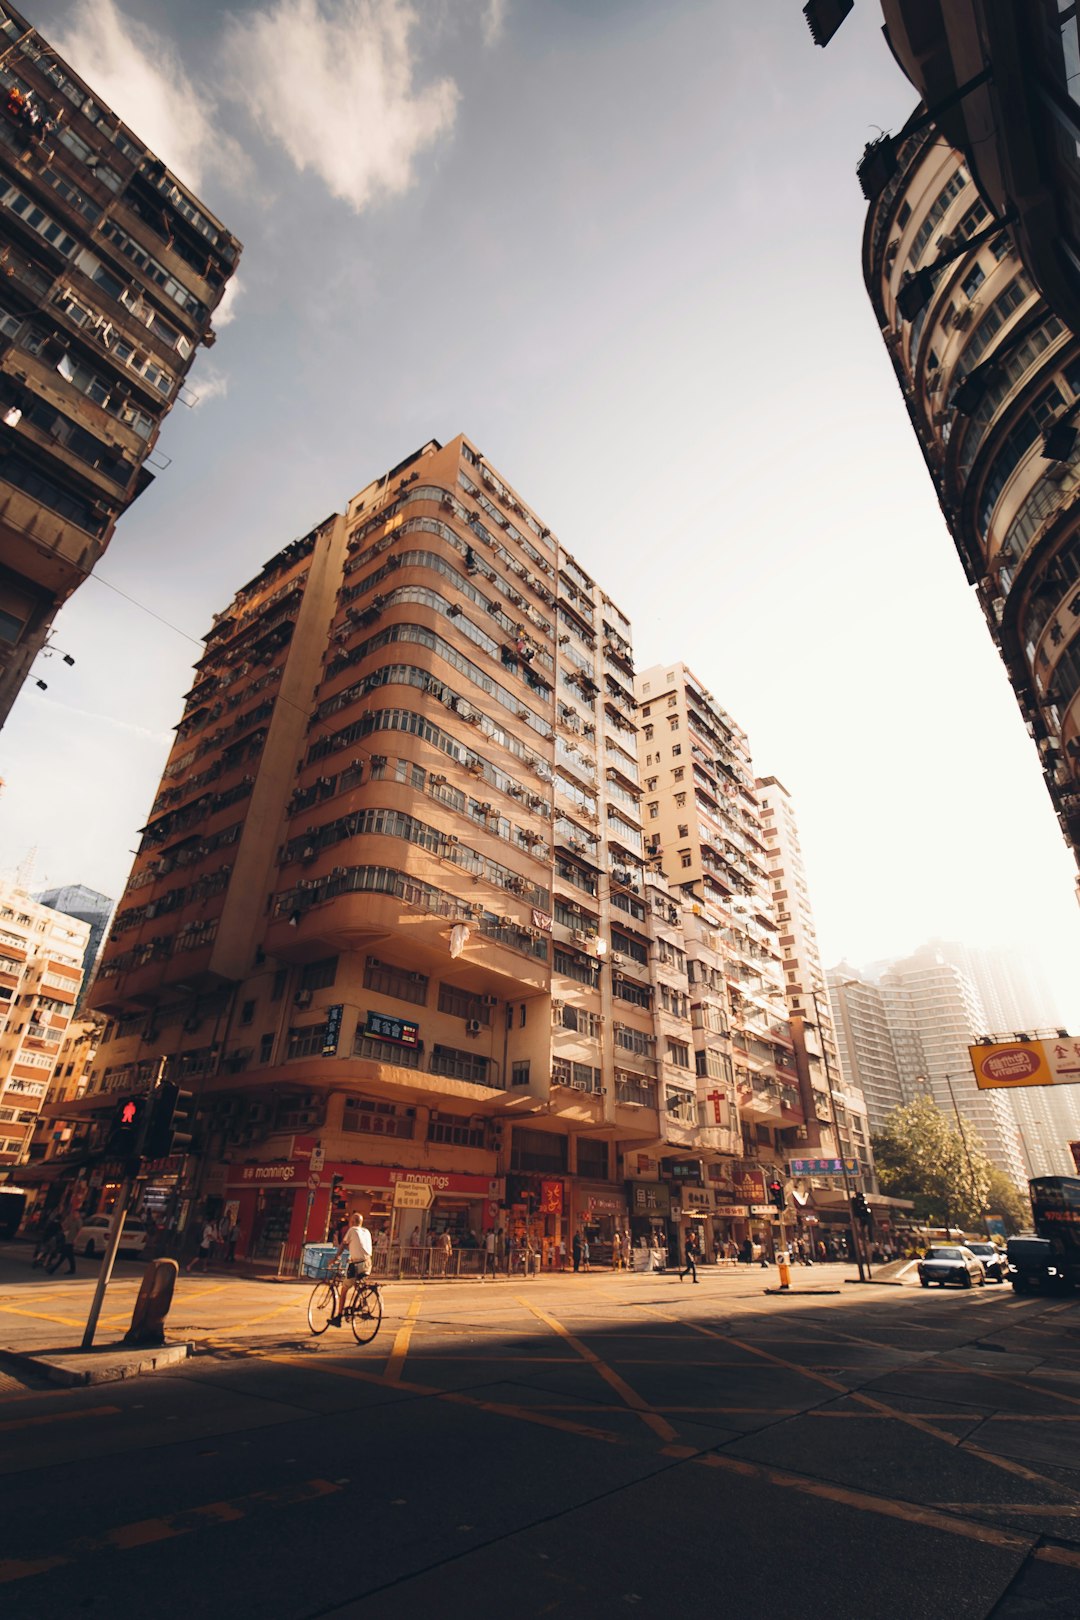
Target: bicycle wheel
[(53, 1261), (366, 1315), (321, 1307)]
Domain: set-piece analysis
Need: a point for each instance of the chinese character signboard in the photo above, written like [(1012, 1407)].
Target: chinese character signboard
[(402, 1031), (652, 1198), (823, 1167), (1026, 1063), (551, 1198), (332, 1031), (748, 1185)]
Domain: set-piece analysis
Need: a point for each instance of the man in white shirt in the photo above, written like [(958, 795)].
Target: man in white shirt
[(357, 1242)]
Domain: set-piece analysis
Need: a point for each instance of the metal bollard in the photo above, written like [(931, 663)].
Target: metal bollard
[(783, 1267), (152, 1305)]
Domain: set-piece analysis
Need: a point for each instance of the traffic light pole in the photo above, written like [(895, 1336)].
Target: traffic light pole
[(104, 1275)]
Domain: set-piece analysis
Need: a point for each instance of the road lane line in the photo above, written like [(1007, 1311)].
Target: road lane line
[(41, 1316), (145, 1532), (645, 1412), (525, 1414), (1058, 1555), (926, 1518), (58, 1417), (400, 1350)]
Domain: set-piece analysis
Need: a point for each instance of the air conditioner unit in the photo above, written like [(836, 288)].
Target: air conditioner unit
[(963, 317), (302, 998), (583, 937), (473, 1026), (617, 960), (556, 1005)]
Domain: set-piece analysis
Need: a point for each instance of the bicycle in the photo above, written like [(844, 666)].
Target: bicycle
[(49, 1254), (364, 1314)]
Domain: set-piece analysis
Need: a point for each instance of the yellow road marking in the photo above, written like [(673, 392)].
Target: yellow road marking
[(1058, 1555), (58, 1417), (400, 1350), (41, 1316), (927, 1518), (144, 1532), (249, 1321), (633, 1400), (1006, 1464), (525, 1414)]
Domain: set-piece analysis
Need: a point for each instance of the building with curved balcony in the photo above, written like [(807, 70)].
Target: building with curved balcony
[(390, 905), (991, 379)]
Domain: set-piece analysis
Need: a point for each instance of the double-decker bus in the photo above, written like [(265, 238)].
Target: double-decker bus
[(1055, 1204)]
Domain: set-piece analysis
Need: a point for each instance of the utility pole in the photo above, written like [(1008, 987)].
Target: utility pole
[(967, 1150)]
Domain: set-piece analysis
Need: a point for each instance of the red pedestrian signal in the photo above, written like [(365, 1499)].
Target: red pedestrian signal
[(126, 1128)]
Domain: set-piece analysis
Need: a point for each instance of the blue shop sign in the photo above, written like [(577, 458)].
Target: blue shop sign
[(384, 1027)]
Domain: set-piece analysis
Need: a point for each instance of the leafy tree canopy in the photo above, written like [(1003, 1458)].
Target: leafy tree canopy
[(919, 1155)]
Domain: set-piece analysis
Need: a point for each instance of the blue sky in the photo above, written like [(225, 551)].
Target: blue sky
[(618, 244)]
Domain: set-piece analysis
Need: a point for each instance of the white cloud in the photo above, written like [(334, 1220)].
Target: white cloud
[(225, 312), (494, 19), (333, 82), (138, 73), (208, 385)]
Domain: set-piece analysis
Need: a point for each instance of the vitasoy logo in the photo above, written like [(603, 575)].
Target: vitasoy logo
[(1011, 1063)]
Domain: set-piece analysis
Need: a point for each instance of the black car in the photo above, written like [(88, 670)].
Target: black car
[(953, 1263), (993, 1260), (1033, 1264)]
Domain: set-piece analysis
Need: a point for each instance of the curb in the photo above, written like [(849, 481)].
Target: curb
[(874, 1282), (51, 1365), (786, 1293)]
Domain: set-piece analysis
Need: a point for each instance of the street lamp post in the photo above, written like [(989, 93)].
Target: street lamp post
[(849, 1192), (967, 1150)]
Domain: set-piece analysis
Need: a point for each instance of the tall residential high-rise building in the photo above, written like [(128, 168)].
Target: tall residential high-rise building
[(866, 1036), (817, 1055), (390, 904), (715, 831), (112, 270), (928, 1012), (76, 900), (41, 953), (1014, 1001)]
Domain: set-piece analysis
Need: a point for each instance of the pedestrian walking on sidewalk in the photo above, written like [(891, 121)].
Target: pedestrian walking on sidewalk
[(691, 1257), (584, 1252), (575, 1249), (206, 1245), (70, 1230), (616, 1252)]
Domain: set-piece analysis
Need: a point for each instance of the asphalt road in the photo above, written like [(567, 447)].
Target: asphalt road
[(570, 1446)]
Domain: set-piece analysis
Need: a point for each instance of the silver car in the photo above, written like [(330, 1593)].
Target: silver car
[(93, 1234), (952, 1263)]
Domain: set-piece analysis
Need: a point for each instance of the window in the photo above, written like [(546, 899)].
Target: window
[(391, 980), (638, 995), (377, 1118), (538, 1151), (673, 722), (676, 750), (685, 858), (672, 701), (319, 975), (452, 1130), (405, 1057), (592, 1158), (458, 1065), (247, 1012), (974, 280), (654, 810), (684, 829), (648, 732), (463, 1004), (678, 773), (519, 1075), (307, 1041), (645, 711)]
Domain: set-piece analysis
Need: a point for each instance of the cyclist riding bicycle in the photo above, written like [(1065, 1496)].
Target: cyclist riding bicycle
[(357, 1242)]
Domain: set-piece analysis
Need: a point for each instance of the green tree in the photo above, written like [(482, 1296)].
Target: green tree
[(1006, 1199), (919, 1155)]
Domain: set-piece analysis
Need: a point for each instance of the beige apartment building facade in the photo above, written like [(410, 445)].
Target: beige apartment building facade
[(390, 915), (41, 953), (112, 269)]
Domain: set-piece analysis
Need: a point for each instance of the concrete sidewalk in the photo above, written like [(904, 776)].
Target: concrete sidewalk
[(104, 1364)]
